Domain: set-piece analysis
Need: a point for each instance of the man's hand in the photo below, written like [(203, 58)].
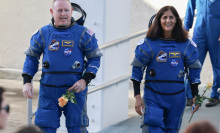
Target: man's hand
[(139, 104), (28, 90), (78, 86), (194, 108)]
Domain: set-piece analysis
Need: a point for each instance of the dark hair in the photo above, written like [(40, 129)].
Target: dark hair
[(200, 127), (2, 90), (156, 31), (29, 129)]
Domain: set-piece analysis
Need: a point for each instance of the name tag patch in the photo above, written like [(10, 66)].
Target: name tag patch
[(175, 54), (161, 56), (54, 45), (67, 43)]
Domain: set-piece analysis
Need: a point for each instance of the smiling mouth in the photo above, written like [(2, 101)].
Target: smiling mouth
[(63, 18), (168, 25)]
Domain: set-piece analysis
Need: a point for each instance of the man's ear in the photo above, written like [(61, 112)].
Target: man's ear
[(51, 11)]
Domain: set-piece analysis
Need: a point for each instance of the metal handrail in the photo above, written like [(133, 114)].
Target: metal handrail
[(114, 81), (123, 39)]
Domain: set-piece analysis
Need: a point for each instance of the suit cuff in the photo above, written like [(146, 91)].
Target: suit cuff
[(88, 77), (26, 78)]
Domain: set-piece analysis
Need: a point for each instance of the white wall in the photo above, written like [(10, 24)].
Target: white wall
[(109, 21), (18, 20)]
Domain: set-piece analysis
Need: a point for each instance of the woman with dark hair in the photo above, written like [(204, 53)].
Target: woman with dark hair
[(165, 52), (201, 127), (178, 33), (4, 110)]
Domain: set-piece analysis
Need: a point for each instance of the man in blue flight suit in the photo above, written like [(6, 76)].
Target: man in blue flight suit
[(64, 45), (206, 35)]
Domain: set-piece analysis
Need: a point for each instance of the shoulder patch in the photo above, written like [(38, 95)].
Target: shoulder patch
[(140, 42), (194, 44), (90, 32), (35, 32)]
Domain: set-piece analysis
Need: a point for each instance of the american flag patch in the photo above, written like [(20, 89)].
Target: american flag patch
[(90, 32), (193, 44)]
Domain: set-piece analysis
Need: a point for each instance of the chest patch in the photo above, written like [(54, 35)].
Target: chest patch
[(67, 43), (161, 56), (174, 63), (175, 54), (67, 52), (54, 45)]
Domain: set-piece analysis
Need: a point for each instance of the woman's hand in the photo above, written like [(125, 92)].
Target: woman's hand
[(194, 106), (139, 105)]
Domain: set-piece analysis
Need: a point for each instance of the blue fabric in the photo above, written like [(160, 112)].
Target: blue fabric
[(49, 112), (70, 130), (172, 109), (206, 33), (48, 130), (167, 58), (153, 116), (61, 48), (188, 89), (82, 42), (77, 130)]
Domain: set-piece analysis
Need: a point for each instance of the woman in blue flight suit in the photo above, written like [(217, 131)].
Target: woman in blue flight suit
[(206, 35), (165, 52)]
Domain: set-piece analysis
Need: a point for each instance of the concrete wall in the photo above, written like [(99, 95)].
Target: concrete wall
[(18, 20)]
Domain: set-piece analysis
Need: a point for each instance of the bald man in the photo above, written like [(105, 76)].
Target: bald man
[(64, 45)]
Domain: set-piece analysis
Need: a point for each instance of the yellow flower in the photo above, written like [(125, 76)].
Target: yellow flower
[(209, 85), (62, 101)]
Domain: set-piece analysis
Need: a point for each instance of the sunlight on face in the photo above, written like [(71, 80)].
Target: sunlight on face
[(62, 12), (168, 21)]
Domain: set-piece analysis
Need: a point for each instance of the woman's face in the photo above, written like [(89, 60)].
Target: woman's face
[(3, 114), (168, 21)]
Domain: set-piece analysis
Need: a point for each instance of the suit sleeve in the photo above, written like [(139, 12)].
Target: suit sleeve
[(89, 46), (192, 62), (139, 63), (189, 16), (33, 53)]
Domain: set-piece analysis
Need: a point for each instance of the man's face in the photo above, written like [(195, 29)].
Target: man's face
[(61, 12)]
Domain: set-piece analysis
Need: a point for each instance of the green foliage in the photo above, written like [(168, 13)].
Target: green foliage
[(70, 96), (199, 100)]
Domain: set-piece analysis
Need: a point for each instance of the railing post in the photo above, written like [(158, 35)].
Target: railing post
[(29, 114)]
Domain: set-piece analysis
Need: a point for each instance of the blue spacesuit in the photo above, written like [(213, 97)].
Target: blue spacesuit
[(206, 34), (164, 93), (64, 50)]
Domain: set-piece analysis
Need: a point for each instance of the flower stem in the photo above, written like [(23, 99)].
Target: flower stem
[(204, 92), (191, 117)]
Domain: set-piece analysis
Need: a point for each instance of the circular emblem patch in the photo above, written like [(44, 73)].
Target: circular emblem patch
[(67, 52), (174, 63)]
